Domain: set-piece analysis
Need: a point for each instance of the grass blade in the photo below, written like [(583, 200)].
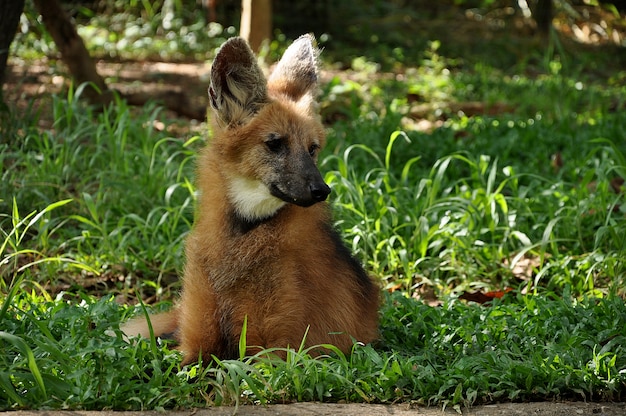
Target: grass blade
[(20, 344)]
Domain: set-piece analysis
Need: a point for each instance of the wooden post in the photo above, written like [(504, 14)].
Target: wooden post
[(256, 22)]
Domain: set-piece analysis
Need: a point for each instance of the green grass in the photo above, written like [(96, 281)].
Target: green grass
[(130, 209), (519, 348), (487, 199), (95, 209)]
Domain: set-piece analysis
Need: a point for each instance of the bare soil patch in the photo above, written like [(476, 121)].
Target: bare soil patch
[(321, 409), (180, 87)]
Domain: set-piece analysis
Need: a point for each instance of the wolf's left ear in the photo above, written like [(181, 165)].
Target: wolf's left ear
[(238, 89), (296, 74)]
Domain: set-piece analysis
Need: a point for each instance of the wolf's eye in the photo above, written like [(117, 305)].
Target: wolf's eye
[(313, 149), (275, 143)]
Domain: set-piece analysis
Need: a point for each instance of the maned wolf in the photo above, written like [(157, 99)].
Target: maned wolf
[(263, 248)]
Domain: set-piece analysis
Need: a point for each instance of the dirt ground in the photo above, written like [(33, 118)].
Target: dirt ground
[(181, 87), (320, 409)]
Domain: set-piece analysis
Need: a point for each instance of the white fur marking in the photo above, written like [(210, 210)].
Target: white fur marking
[(252, 199)]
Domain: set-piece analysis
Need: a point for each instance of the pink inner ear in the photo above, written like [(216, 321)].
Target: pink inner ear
[(295, 74)]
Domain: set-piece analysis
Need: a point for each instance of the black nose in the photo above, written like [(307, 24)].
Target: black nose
[(319, 191)]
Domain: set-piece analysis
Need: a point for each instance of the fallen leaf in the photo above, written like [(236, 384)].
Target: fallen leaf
[(482, 298)]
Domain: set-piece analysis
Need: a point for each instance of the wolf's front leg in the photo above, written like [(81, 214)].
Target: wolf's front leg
[(199, 331)]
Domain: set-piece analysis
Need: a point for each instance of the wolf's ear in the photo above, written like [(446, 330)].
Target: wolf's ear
[(296, 74), (238, 88)]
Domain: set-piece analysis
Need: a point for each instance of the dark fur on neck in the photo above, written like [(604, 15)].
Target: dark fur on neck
[(240, 225)]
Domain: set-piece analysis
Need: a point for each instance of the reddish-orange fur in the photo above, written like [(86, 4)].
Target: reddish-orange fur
[(284, 273)]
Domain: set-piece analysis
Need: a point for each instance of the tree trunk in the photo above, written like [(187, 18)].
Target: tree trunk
[(73, 51), (543, 16), (9, 18), (256, 22)]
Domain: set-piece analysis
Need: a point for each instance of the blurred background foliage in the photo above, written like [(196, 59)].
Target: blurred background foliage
[(393, 33)]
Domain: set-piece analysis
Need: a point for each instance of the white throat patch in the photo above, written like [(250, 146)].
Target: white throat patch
[(251, 198)]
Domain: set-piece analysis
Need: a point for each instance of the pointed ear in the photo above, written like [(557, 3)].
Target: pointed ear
[(296, 74), (238, 88)]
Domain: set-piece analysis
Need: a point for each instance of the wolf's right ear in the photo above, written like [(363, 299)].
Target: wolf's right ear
[(296, 74), (238, 87)]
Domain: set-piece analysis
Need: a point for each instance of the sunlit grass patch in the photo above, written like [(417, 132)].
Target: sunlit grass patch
[(465, 220), (129, 185)]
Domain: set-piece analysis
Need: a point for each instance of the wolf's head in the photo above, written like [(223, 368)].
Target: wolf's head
[(267, 133)]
